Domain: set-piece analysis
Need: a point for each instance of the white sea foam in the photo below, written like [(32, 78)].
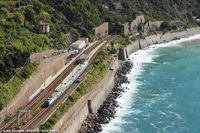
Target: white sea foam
[(178, 116), (175, 43), (138, 58)]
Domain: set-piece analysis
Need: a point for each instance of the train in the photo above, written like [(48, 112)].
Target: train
[(66, 85)]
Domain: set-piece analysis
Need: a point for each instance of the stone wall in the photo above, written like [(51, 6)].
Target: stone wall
[(101, 31), (132, 28), (69, 38), (126, 28), (152, 26), (136, 22)]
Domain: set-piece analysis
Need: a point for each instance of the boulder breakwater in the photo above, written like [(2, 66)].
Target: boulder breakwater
[(107, 110)]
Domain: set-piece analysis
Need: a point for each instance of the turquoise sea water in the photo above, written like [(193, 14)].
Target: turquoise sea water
[(164, 91)]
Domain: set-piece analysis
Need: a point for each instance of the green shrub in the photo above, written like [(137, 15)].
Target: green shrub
[(165, 26), (30, 15), (10, 89), (4, 13), (19, 18)]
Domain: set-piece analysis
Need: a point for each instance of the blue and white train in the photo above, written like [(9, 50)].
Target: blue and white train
[(66, 85)]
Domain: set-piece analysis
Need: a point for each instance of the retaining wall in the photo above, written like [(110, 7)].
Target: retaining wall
[(72, 120), (160, 38), (101, 30), (47, 67)]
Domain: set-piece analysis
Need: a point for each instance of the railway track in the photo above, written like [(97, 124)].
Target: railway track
[(44, 114), (34, 124), (36, 102)]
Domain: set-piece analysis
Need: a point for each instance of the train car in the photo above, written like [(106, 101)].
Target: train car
[(66, 85)]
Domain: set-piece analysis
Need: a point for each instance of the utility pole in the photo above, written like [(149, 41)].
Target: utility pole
[(40, 51), (6, 110), (44, 77), (39, 57)]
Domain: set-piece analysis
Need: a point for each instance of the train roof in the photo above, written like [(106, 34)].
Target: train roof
[(84, 56)]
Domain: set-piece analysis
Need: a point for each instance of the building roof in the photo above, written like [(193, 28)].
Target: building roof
[(83, 37), (78, 42), (42, 23)]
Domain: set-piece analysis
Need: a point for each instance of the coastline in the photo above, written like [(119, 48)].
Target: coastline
[(135, 92), (160, 38), (107, 110)]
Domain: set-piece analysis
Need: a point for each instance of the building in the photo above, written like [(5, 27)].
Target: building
[(45, 27), (79, 44), (86, 39)]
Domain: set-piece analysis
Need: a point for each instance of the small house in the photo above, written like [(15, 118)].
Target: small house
[(79, 44), (45, 27)]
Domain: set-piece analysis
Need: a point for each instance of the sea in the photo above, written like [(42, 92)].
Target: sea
[(163, 95)]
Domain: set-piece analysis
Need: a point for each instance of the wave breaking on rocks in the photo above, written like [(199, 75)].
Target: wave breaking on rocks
[(107, 111)]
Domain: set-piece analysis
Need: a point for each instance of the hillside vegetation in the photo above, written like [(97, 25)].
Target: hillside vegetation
[(21, 34)]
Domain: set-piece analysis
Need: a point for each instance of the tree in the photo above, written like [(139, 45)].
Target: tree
[(19, 18), (30, 15), (165, 26), (44, 16), (3, 13), (37, 6)]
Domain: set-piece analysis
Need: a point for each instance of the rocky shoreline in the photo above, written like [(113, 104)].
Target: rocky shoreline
[(107, 111)]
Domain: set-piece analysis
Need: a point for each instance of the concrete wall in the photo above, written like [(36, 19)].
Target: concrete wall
[(159, 38), (133, 48), (72, 120), (104, 88), (123, 54)]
